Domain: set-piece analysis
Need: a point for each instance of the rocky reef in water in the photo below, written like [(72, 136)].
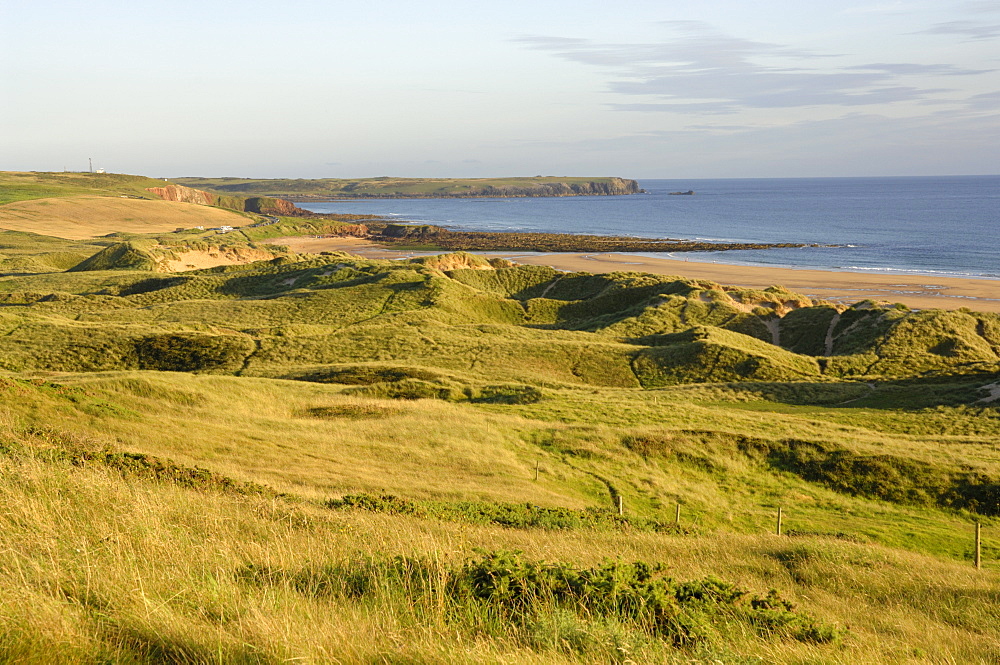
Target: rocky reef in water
[(436, 237)]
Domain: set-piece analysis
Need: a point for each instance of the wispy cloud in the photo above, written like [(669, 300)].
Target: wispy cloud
[(700, 70), (972, 30), (987, 101)]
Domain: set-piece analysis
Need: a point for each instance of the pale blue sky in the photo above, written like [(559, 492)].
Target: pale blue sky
[(638, 89)]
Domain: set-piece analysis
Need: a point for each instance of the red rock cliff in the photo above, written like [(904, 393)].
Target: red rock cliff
[(183, 194)]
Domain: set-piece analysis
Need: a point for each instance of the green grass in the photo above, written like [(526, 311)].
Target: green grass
[(126, 556), (23, 186)]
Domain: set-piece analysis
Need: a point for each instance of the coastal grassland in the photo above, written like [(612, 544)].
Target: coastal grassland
[(120, 558), (23, 186), (729, 463), (301, 457)]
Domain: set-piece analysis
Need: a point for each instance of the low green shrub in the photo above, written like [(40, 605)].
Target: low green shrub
[(505, 591), (191, 352)]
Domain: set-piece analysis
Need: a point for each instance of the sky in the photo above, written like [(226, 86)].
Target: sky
[(442, 88)]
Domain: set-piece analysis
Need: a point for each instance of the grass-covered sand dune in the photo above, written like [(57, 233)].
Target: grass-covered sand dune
[(327, 458)]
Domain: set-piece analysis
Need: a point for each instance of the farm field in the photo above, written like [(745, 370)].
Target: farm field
[(83, 217)]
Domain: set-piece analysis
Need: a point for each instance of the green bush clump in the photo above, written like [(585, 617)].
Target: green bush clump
[(503, 591), (409, 389), (399, 382), (151, 284), (505, 394), (191, 352), (367, 375)]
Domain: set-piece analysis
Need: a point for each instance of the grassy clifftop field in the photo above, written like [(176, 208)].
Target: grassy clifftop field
[(326, 458)]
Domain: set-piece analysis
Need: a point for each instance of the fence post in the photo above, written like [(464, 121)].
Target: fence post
[(536, 469), (677, 515), (621, 505), (778, 531), (979, 545)]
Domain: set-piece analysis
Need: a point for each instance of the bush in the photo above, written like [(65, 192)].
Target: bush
[(191, 352), (527, 597)]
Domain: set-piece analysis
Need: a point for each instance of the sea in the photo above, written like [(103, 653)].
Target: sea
[(946, 226)]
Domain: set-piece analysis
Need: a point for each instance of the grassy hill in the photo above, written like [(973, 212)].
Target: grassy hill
[(24, 186), (329, 458)]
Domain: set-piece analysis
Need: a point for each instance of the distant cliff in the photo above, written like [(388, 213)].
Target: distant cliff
[(606, 187), (609, 187), (327, 189)]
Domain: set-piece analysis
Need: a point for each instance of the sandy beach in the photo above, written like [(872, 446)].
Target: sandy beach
[(916, 291)]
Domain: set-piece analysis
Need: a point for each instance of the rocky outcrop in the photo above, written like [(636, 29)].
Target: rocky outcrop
[(270, 206), (426, 234), (259, 204), (183, 194)]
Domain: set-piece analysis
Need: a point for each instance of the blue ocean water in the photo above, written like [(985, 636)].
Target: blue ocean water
[(914, 225)]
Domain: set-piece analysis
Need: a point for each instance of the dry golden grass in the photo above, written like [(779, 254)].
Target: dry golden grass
[(99, 568), (81, 217)]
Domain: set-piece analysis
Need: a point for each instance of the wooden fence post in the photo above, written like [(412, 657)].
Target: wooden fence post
[(536, 469), (979, 545), (677, 515), (621, 505), (778, 531)]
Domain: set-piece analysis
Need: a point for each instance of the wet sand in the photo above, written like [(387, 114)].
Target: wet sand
[(916, 291)]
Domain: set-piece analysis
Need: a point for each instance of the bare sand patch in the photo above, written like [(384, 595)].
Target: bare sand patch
[(82, 217), (915, 291), (198, 259)]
